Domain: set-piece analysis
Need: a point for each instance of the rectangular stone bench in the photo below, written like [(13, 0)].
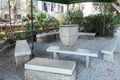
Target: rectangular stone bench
[(45, 37), (50, 69), (22, 52), (86, 35), (109, 49), (74, 51)]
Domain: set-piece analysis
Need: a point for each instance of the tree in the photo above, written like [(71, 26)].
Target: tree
[(29, 9), (15, 4), (103, 7)]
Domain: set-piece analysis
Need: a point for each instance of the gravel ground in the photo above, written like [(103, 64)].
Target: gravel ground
[(98, 70)]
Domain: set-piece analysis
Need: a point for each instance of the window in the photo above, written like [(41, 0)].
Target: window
[(61, 9), (6, 16), (6, 5), (52, 7), (44, 6), (18, 16)]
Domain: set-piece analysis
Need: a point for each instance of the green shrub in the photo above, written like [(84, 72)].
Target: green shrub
[(28, 31), (19, 36), (101, 24), (41, 23), (2, 36)]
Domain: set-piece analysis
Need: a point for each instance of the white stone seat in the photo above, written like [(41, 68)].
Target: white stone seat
[(39, 68), (40, 37), (86, 35), (109, 49), (22, 52), (22, 48), (74, 51), (46, 34)]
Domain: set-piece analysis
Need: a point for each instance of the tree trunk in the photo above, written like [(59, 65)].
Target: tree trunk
[(15, 12)]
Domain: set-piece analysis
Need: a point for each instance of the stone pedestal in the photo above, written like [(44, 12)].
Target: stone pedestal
[(39, 75), (50, 69), (68, 34), (109, 57), (21, 60)]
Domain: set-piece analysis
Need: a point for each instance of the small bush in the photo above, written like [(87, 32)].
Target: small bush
[(75, 16), (61, 18)]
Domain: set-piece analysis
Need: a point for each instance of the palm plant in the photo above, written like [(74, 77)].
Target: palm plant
[(27, 20), (44, 22), (39, 20)]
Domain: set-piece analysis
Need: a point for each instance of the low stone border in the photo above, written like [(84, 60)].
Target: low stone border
[(4, 49)]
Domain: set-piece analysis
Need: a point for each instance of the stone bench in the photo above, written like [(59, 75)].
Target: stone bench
[(22, 52), (50, 69), (86, 35), (46, 37), (74, 51), (109, 49)]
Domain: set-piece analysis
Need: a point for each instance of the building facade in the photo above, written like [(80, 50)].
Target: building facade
[(49, 8), (21, 10)]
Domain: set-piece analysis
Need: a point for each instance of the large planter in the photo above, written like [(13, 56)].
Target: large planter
[(68, 34)]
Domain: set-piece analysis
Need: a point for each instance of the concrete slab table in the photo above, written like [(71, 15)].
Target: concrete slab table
[(74, 51), (109, 50)]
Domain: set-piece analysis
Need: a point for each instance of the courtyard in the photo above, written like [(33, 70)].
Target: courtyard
[(99, 69)]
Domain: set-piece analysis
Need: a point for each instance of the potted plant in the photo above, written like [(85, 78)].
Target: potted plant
[(69, 34), (69, 28)]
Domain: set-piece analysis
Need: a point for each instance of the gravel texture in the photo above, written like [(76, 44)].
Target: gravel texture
[(98, 70)]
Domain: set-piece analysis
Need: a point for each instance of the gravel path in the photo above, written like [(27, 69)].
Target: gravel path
[(8, 70), (98, 70)]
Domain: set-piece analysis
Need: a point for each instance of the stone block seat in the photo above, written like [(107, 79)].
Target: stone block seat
[(22, 52), (108, 50), (86, 35), (47, 37), (50, 69)]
